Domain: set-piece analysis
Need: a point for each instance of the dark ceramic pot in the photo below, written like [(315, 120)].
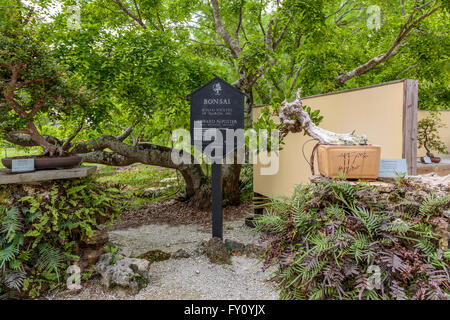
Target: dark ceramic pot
[(433, 159), (42, 163)]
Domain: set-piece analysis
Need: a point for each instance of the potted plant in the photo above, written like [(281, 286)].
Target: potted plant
[(428, 137), (337, 153), (32, 86)]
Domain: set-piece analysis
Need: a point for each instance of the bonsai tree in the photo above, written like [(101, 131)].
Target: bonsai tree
[(31, 83), (296, 119), (427, 134)]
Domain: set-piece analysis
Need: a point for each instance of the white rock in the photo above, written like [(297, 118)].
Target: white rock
[(122, 272)]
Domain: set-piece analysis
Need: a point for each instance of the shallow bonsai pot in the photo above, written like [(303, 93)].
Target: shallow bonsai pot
[(42, 163), (433, 159), (355, 162)]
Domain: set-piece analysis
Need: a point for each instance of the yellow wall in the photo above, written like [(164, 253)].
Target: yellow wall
[(444, 133), (375, 111)]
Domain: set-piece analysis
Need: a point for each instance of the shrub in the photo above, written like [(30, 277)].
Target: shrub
[(41, 227), (334, 240), (246, 183), (427, 134)]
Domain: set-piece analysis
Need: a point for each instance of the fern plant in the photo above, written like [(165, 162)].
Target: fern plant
[(40, 231), (335, 240)]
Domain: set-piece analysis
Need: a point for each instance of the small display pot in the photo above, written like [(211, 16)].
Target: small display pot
[(43, 163), (433, 159)]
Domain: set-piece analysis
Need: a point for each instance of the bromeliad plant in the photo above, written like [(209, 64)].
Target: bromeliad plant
[(334, 240)]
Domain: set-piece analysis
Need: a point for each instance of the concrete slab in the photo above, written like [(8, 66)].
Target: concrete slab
[(6, 177), (442, 168), (383, 186)]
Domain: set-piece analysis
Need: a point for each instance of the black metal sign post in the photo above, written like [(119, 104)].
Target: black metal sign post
[(216, 194), (220, 106)]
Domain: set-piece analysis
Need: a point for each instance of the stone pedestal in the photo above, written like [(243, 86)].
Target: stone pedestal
[(441, 169), (383, 186)]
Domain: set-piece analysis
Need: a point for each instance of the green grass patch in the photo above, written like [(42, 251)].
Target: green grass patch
[(142, 184)]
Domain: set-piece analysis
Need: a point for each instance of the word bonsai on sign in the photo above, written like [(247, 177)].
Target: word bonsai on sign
[(428, 137)]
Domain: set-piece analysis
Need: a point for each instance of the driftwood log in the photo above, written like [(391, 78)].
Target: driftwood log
[(296, 119)]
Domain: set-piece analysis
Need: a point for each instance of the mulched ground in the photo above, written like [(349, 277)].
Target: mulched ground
[(174, 212)]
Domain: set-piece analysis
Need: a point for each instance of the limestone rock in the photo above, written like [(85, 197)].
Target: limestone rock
[(91, 248), (123, 272), (442, 230), (89, 257), (98, 238), (200, 249), (217, 252), (140, 266), (155, 256)]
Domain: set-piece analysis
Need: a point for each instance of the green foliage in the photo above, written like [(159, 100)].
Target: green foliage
[(42, 226), (130, 73), (142, 185), (330, 236), (34, 86), (427, 134), (344, 40), (266, 122), (246, 183)]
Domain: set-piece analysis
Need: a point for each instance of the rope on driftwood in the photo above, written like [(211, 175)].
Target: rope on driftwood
[(311, 159)]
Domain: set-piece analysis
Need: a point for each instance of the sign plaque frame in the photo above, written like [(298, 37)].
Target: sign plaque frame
[(22, 165), (216, 107), (390, 168)]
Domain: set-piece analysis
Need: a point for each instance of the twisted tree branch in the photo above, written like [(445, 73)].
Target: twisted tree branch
[(296, 119), (405, 30), (232, 43)]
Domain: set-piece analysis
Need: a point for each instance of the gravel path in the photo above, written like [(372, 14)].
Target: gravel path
[(197, 279), (172, 238), (192, 278)]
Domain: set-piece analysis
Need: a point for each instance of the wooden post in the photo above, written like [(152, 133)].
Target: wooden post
[(410, 106)]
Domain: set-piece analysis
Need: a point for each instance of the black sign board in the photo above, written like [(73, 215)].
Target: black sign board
[(219, 106)]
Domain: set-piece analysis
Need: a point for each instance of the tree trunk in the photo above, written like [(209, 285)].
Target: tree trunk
[(230, 184), (198, 185), (49, 149)]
